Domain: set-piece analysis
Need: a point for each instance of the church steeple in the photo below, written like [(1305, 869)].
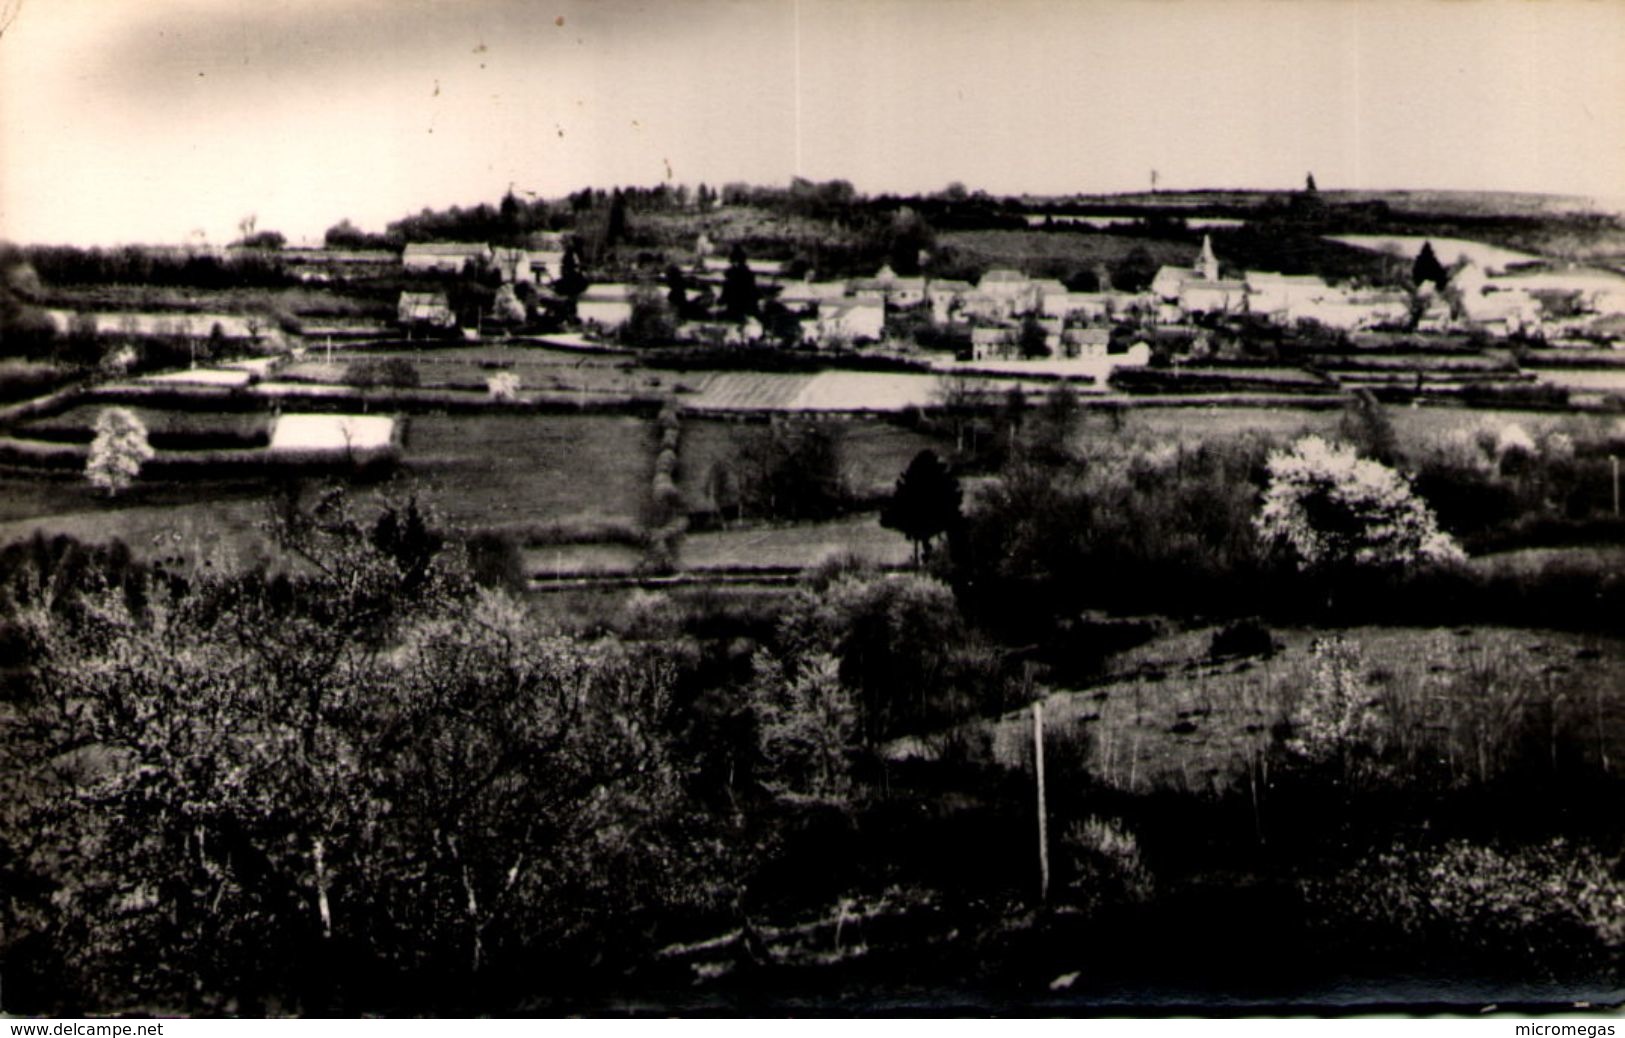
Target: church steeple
[(1207, 264)]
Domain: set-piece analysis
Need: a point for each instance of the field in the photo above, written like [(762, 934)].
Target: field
[(468, 367), (1490, 257), (1170, 718), (1367, 360), (479, 471), (1584, 380), (824, 391), (590, 471), (1047, 251), (796, 547), (167, 430), (151, 519)]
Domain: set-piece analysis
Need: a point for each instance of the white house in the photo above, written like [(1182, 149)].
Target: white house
[(850, 320), (992, 343), (1085, 342), (1271, 293)]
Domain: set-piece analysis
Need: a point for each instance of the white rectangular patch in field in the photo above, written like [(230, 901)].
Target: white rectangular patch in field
[(331, 432), (202, 377)]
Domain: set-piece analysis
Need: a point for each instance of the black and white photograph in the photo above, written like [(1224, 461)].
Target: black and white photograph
[(811, 508)]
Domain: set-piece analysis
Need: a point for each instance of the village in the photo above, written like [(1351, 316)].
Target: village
[(494, 522)]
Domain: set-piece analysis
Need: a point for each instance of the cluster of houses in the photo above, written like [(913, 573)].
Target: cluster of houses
[(1002, 307)]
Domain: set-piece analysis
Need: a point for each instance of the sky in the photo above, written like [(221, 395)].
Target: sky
[(172, 120)]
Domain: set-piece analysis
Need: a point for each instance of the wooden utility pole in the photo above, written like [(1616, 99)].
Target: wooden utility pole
[(1043, 815)]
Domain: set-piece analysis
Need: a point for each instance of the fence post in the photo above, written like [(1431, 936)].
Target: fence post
[(1043, 817), (1613, 460)]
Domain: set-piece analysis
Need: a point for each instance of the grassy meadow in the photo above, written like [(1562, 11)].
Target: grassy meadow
[(496, 470)]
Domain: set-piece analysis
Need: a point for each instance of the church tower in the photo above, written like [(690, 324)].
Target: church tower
[(1208, 265)]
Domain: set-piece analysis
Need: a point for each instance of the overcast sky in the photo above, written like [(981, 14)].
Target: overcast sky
[(152, 120)]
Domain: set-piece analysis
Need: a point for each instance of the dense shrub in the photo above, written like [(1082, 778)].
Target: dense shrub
[(791, 470), (1495, 902), (1246, 637), (393, 373), (1130, 524)]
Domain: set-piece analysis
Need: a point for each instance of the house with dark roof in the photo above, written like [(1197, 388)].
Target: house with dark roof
[(424, 310)]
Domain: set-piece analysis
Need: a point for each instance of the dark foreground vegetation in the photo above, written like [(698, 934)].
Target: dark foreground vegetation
[(362, 776)]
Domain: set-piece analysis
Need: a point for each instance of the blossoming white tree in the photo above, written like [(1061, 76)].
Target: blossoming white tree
[(1336, 709), (118, 451), (1335, 510), (504, 385)]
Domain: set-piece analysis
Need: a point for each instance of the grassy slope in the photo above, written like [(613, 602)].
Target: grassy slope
[(1169, 718)]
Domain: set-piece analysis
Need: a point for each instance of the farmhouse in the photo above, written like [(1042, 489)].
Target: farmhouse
[(849, 321), (944, 294), (424, 309), (992, 343), (1087, 343), (446, 255)]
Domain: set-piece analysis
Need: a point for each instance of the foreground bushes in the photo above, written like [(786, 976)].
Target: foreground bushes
[(301, 794)]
